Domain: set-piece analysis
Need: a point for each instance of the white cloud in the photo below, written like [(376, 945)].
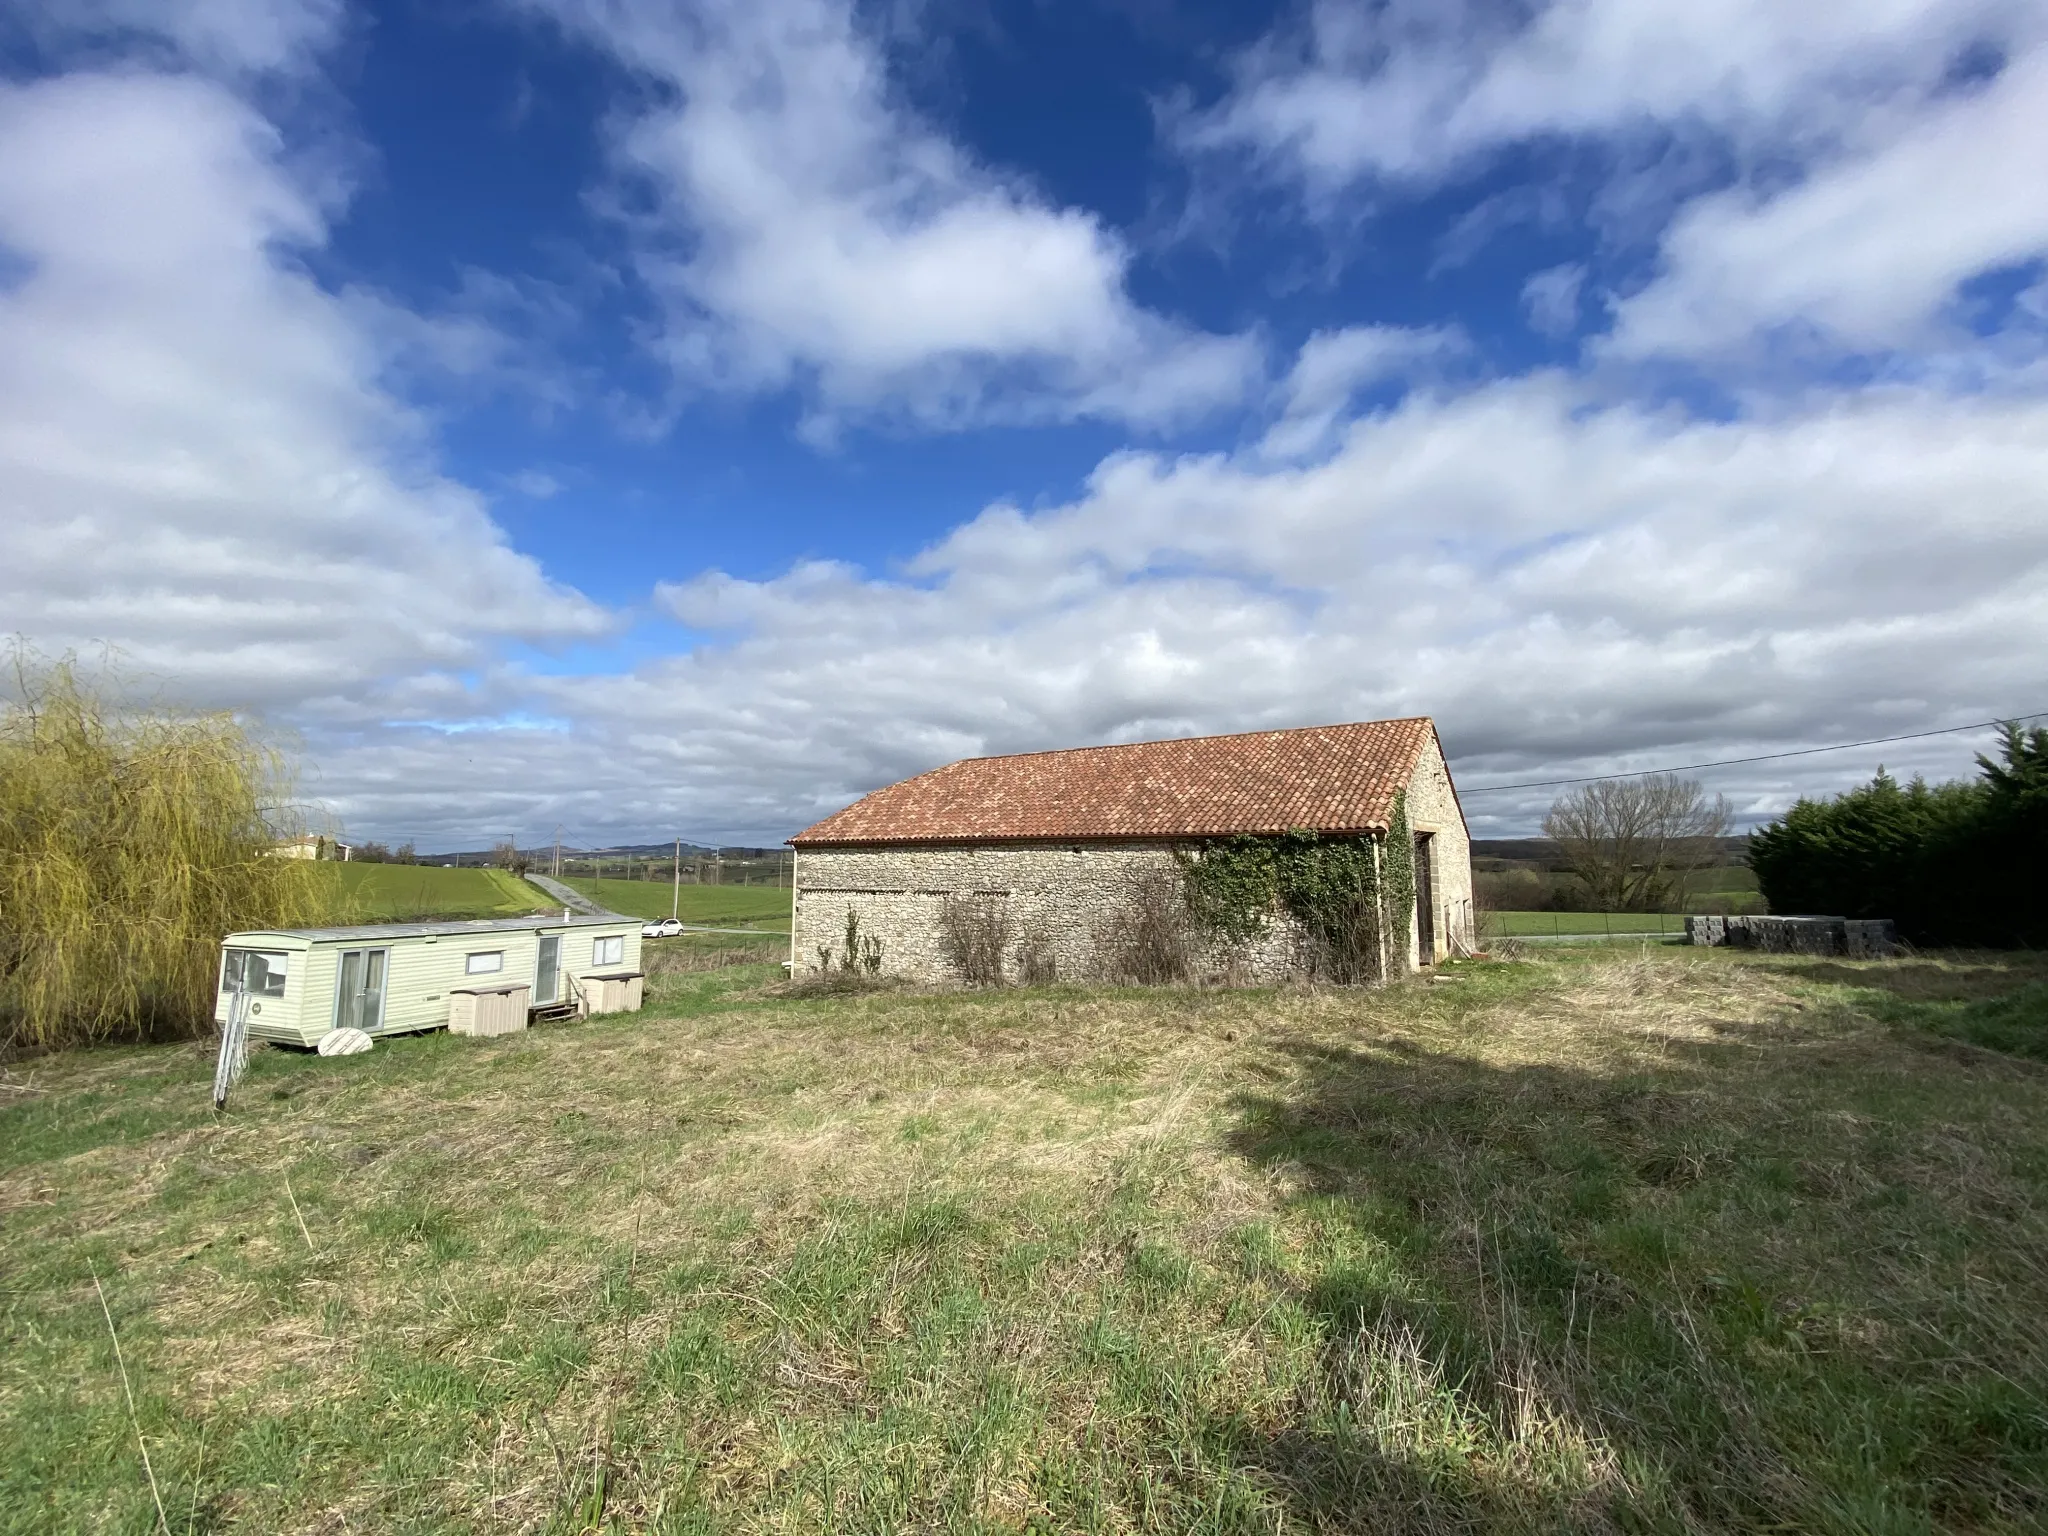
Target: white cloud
[(535, 484), (1418, 88), (1869, 159), (1564, 585), (492, 336), (1551, 298), (229, 37), (201, 459), (197, 460), (1333, 366), (1869, 251), (805, 228)]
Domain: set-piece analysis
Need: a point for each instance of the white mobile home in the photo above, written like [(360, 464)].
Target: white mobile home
[(393, 978)]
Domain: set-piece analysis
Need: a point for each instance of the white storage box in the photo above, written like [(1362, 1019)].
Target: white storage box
[(487, 1010)]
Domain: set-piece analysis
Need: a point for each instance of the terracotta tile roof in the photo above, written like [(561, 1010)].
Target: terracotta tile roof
[(1333, 778)]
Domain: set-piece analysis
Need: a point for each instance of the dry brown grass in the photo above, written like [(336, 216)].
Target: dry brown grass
[(689, 954)]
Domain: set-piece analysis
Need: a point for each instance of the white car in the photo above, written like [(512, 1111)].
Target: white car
[(661, 928)]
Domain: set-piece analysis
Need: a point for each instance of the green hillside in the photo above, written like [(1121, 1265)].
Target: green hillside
[(404, 892), (735, 906)]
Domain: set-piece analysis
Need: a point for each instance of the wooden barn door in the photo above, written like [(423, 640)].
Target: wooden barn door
[(1425, 903)]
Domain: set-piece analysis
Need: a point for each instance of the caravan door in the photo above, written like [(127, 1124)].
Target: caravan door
[(547, 969), (359, 995)]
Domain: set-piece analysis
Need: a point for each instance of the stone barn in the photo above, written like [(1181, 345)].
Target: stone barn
[(1055, 843)]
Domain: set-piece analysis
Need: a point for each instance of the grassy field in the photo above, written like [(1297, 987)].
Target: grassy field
[(730, 906), (1722, 879), (402, 892), (1726, 888), (1602, 1241)]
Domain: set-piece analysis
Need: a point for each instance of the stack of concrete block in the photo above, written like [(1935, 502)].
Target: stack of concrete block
[(1870, 938), (1852, 938)]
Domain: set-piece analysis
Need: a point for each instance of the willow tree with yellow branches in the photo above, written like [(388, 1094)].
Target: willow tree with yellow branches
[(131, 840)]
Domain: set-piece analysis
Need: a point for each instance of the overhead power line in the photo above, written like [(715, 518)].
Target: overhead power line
[(1767, 757)]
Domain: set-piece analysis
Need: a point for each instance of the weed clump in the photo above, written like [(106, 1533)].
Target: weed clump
[(1037, 966), (974, 935), (1149, 939)]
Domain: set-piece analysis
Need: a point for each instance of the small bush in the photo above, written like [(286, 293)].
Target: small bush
[(975, 933), (862, 955), (1036, 964), (1149, 938), (1348, 947)]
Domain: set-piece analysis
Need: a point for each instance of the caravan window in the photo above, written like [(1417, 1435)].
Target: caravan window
[(610, 950), (485, 962), (260, 972)]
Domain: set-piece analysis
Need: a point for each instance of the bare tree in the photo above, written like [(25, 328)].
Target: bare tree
[(1635, 842), (507, 855)]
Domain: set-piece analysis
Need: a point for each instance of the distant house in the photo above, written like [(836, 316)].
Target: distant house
[(1056, 839), (309, 847)]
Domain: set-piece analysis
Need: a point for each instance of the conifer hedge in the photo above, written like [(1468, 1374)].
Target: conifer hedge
[(1959, 863)]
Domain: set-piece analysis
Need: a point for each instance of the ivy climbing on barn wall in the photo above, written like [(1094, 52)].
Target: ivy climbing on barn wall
[(1397, 881), (1352, 896)]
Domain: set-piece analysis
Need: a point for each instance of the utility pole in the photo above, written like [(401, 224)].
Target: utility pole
[(675, 900), (558, 850)]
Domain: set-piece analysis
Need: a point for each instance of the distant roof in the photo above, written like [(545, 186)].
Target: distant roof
[(481, 925), (1327, 778)]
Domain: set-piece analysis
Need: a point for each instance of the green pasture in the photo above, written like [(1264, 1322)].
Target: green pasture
[(1722, 879), (731, 906), (373, 893), (1730, 888)]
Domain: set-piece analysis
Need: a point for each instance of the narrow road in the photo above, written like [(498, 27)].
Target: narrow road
[(573, 900)]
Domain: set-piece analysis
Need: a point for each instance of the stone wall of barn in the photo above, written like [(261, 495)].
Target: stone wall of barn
[(1074, 895), (1433, 808)]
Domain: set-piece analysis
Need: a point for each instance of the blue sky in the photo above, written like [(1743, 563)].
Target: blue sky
[(656, 417)]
